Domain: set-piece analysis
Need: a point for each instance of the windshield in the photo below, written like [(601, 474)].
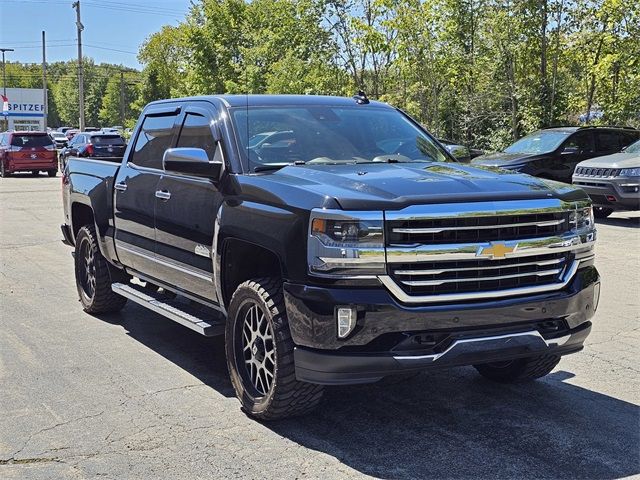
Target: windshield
[(633, 148), (31, 141), (273, 137), (538, 142)]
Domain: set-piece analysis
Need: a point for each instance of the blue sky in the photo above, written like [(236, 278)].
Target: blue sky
[(113, 30)]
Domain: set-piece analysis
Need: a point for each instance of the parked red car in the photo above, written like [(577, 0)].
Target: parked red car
[(27, 151)]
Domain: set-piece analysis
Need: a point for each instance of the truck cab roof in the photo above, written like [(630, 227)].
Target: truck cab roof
[(254, 100)]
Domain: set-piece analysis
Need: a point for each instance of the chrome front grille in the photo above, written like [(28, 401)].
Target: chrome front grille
[(434, 231), (480, 251), (449, 277)]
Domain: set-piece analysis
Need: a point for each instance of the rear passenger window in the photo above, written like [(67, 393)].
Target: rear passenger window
[(196, 133), (155, 136), (608, 141)]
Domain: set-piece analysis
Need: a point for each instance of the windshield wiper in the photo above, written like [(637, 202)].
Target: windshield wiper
[(275, 166)]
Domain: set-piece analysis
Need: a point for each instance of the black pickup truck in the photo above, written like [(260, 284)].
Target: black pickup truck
[(332, 241)]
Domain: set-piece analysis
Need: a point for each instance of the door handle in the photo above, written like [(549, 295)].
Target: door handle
[(163, 194), (120, 186)]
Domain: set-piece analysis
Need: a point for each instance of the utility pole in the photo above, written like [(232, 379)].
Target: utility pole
[(122, 98), (4, 84), (80, 28), (45, 97)]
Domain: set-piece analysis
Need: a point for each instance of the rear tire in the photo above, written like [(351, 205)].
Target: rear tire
[(35, 173), (52, 173), (520, 370), (259, 352), (94, 276), (602, 212)]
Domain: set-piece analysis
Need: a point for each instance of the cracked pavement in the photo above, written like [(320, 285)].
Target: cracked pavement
[(134, 395)]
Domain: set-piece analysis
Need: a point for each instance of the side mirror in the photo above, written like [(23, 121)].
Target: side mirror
[(459, 152), (570, 151), (191, 161)]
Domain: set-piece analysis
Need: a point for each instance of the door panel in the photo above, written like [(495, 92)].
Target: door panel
[(186, 209), (135, 187), (184, 233), (134, 217)]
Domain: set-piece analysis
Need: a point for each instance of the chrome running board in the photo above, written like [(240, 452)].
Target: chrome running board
[(181, 311)]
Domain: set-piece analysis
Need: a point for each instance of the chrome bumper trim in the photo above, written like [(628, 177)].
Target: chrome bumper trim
[(531, 340), (404, 297), (428, 283), (548, 223), (469, 251), (439, 271)]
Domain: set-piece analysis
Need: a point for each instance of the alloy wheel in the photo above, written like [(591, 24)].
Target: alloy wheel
[(88, 278), (258, 349)]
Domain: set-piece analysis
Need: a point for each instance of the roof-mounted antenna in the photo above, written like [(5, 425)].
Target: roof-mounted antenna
[(361, 98)]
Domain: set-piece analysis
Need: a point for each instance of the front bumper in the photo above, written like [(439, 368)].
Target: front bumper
[(618, 193), (465, 349), (381, 342)]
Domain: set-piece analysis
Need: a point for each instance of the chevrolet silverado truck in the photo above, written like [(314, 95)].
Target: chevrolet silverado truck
[(342, 246)]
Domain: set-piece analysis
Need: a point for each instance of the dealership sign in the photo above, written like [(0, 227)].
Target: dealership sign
[(23, 102)]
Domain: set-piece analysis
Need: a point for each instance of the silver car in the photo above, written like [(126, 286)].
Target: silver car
[(612, 181)]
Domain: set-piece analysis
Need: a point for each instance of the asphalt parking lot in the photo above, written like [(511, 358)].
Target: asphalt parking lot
[(134, 395)]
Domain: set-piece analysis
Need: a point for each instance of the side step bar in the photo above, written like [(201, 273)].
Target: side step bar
[(183, 313)]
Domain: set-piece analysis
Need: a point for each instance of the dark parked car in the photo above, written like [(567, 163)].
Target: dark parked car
[(352, 248), (90, 144), (554, 152), (27, 151), (612, 181)]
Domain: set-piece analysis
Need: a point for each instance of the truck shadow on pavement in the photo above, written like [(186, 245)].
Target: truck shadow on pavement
[(438, 424), (629, 222)]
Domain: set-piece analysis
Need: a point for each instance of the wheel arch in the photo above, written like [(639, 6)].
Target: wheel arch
[(242, 260)]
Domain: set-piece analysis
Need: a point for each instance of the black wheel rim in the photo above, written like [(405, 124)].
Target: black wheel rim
[(255, 349), (87, 272)]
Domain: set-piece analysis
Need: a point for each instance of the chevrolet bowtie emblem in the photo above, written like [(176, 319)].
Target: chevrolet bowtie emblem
[(495, 250)]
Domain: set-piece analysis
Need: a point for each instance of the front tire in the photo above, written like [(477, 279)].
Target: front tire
[(52, 173), (259, 352), (94, 276), (3, 170), (520, 370), (602, 212)]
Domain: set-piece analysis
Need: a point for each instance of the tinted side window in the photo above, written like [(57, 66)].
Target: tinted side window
[(608, 141), (629, 138), (583, 141), (155, 136), (196, 133)]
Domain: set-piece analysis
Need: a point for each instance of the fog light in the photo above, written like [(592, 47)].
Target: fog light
[(347, 317), (596, 296)]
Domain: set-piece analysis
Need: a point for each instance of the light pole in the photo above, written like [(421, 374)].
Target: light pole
[(4, 84)]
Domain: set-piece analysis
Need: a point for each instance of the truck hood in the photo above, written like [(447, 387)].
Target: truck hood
[(617, 160), (393, 186), (502, 159)]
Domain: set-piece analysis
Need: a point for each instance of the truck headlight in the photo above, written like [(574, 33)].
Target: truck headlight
[(581, 219), (346, 244)]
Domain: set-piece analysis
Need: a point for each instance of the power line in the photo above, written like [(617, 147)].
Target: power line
[(110, 49)]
